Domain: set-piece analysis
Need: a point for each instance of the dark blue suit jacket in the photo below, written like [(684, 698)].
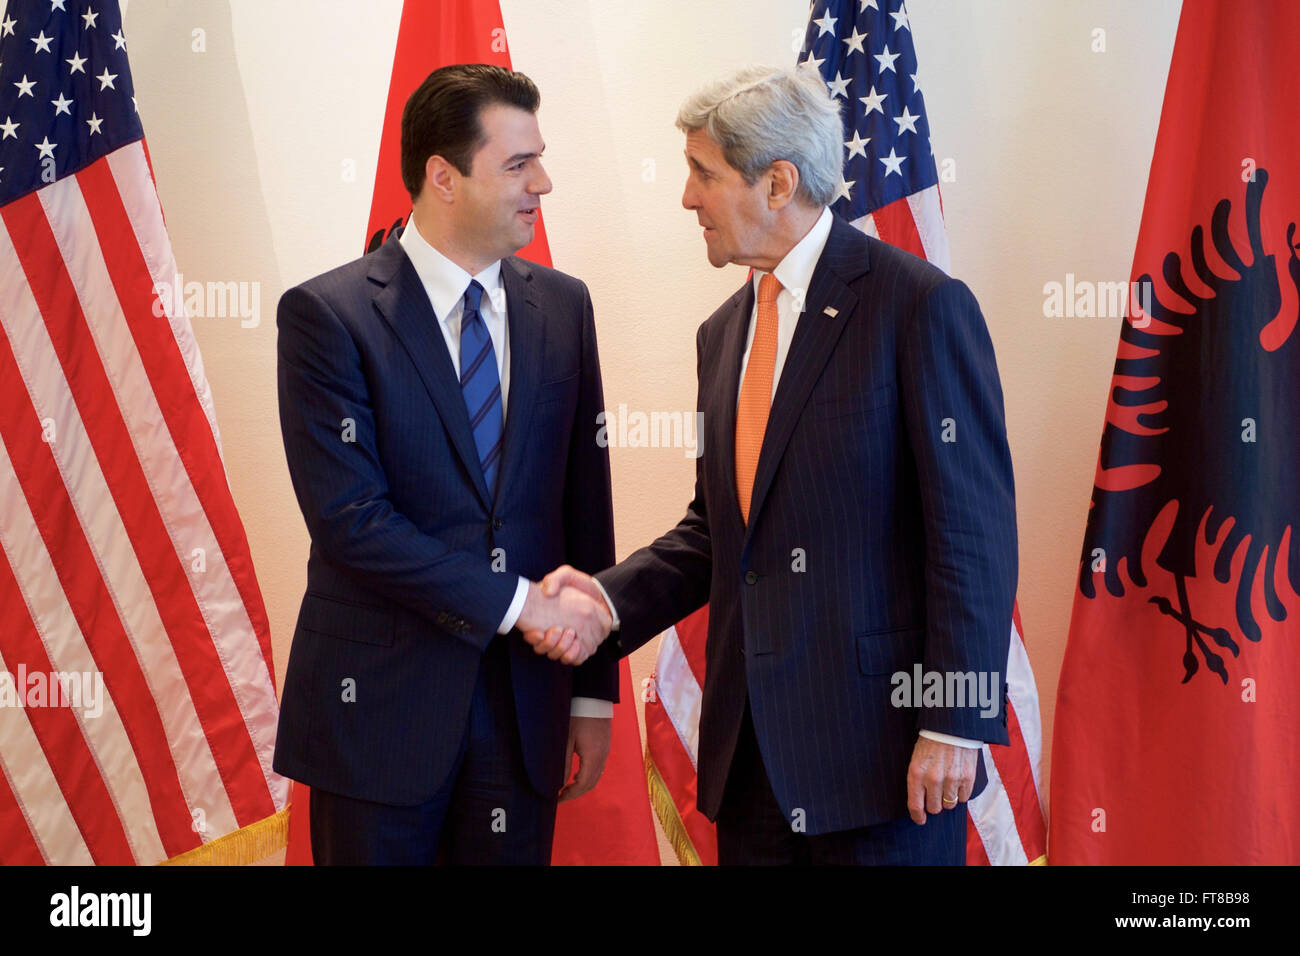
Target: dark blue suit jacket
[(873, 543), (413, 563)]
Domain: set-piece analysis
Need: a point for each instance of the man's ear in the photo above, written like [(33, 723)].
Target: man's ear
[(441, 179), (782, 183)]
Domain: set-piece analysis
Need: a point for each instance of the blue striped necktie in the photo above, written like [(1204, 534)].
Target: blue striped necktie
[(480, 384)]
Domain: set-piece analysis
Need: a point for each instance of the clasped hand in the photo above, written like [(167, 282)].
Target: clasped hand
[(565, 616)]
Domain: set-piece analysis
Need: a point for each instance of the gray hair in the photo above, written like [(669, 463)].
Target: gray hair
[(761, 114)]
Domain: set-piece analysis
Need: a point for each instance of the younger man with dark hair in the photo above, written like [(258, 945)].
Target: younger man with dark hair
[(438, 403)]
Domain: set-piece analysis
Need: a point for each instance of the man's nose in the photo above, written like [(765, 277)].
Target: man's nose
[(541, 184), (688, 197)]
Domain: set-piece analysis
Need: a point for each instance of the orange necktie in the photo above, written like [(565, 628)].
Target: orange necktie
[(756, 392)]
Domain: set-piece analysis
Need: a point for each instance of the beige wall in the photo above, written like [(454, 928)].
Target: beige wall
[(264, 147)]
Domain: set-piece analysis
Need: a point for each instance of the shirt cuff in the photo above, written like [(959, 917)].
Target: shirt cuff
[(516, 608), (591, 707), (950, 739), (613, 614)]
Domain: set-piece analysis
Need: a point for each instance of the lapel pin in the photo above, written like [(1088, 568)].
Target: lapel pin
[(831, 312)]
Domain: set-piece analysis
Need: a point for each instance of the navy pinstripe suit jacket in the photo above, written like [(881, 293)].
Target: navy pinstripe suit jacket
[(413, 563), (882, 534)]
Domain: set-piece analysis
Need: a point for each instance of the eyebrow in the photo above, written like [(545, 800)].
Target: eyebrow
[(696, 163), (518, 157)]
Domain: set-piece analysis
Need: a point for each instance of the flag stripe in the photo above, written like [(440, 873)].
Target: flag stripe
[(1021, 760), (33, 574), (59, 737), (677, 769), (927, 216), (183, 670), (244, 762), (996, 820), (38, 799), (1015, 772), (154, 589), (692, 634), (897, 227), (36, 577), (156, 592), (172, 359), (1023, 692), (61, 522), (975, 855), (130, 174), (131, 544), (672, 728), (1015, 767), (19, 848), (679, 693)]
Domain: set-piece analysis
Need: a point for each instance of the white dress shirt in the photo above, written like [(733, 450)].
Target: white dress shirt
[(445, 284), (795, 273)]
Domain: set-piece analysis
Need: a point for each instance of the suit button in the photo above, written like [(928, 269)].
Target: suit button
[(497, 524), (751, 577)]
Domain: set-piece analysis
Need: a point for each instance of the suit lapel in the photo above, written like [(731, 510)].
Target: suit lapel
[(527, 330), (404, 304), (735, 330), (827, 307)]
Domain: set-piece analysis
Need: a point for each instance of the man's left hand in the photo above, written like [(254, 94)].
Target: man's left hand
[(939, 777), (589, 738)]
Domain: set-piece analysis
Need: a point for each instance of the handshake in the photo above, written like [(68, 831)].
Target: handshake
[(565, 616)]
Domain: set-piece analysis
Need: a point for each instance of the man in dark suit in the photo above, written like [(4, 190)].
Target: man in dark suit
[(438, 402), (853, 526)]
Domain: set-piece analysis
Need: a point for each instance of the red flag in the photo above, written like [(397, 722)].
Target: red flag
[(1006, 825), (137, 696), (611, 824), (1177, 711)]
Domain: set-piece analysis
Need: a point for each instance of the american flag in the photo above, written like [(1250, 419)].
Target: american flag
[(125, 574), (890, 190), (890, 184)]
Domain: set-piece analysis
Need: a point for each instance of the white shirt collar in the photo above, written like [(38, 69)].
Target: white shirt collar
[(795, 271), (443, 280)]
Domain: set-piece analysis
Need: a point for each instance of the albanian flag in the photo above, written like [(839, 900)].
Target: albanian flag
[(1177, 713)]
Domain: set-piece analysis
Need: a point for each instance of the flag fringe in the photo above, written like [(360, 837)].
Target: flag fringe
[(247, 845), (666, 810)]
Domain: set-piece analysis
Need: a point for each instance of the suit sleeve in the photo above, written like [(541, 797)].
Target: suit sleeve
[(328, 426), (589, 506), (952, 403), (668, 579)]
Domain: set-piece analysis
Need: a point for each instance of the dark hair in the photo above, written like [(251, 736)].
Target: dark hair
[(442, 116)]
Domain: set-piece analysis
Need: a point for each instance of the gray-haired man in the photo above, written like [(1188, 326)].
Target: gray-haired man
[(854, 513)]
